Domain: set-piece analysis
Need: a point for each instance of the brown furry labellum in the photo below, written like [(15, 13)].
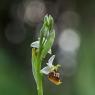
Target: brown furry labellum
[(54, 77)]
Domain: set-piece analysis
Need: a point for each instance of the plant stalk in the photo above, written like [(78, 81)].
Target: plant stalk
[(39, 79), (40, 86)]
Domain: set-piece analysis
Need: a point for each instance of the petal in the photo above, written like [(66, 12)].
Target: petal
[(50, 61), (50, 52), (45, 70), (35, 44)]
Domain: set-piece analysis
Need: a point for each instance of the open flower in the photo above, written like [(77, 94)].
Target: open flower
[(36, 45), (52, 71), (50, 67)]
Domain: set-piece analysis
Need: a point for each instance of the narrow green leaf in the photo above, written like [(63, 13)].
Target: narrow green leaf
[(34, 64)]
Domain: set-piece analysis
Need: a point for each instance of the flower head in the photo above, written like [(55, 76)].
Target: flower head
[(52, 71), (50, 67)]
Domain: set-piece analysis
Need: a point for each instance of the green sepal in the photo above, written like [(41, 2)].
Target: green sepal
[(48, 44)]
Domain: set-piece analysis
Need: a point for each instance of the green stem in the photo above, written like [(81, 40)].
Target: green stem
[(39, 78), (40, 86)]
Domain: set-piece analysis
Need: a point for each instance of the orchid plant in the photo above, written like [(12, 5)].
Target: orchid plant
[(40, 49)]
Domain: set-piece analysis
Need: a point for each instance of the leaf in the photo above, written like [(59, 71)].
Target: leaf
[(34, 64), (48, 44)]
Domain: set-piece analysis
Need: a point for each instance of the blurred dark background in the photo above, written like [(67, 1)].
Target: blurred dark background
[(74, 46)]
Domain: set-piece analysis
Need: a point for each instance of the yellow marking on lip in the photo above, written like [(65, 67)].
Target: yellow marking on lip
[(55, 82)]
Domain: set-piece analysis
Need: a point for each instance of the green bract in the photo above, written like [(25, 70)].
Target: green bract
[(48, 44)]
